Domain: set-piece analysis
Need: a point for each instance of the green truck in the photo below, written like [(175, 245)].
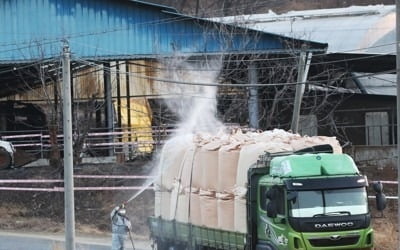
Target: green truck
[(309, 199)]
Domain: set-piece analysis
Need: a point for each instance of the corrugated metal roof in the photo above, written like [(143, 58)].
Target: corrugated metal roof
[(33, 29), (356, 29)]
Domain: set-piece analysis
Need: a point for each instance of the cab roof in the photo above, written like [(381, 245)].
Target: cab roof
[(312, 165)]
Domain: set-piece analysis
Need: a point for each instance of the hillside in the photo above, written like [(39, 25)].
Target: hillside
[(235, 7)]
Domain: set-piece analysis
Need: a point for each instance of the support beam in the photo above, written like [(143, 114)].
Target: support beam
[(118, 95), (253, 97), (109, 104), (398, 115), (128, 104), (69, 204)]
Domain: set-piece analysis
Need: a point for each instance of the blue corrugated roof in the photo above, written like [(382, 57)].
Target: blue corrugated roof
[(34, 29)]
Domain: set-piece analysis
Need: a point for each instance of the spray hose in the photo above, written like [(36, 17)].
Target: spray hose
[(131, 238)]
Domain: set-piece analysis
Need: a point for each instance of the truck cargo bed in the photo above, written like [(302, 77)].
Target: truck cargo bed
[(178, 233)]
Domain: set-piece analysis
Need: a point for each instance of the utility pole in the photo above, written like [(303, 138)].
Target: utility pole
[(398, 116), (253, 97), (69, 205), (300, 86), (197, 7)]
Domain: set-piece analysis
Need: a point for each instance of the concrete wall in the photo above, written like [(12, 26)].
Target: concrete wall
[(379, 156)]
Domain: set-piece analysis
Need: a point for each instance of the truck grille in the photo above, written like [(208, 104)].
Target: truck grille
[(332, 241)]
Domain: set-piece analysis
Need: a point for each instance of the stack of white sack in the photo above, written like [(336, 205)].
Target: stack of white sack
[(228, 158), (210, 174)]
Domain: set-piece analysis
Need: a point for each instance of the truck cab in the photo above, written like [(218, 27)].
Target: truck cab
[(309, 201)]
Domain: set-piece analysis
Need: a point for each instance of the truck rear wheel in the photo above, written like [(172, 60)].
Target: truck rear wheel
[(5, 158), (168, 245)]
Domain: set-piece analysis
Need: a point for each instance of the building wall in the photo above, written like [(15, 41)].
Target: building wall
[(379, 157), (351, 120)]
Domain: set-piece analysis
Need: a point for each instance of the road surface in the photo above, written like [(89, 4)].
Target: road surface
[(37, 241)]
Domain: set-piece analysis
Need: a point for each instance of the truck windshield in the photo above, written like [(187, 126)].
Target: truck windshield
[(337, 202)]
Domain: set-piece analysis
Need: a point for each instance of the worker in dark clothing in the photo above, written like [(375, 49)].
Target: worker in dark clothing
[(121, 226)]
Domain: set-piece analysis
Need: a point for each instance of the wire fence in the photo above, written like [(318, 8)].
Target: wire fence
[(98, 142)]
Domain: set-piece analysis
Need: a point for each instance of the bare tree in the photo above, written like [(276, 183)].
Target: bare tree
[(41, 84), (276, 99)]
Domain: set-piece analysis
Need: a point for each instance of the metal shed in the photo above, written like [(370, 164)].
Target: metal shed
[(35, 29), (112, 34)]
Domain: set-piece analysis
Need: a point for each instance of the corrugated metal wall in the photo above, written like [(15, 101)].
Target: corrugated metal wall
[(34, 29)]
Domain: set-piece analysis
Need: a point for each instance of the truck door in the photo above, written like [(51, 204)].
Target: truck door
[(272, 222)]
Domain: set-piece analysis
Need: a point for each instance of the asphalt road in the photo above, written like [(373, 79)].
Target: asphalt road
[(35, 241)]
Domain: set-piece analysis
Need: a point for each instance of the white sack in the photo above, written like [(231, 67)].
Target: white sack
[(162, 204), (249, 154), (195, 213), (208, 209), (209, 169), (187, 166), (157, 203), (305, 142), (225, 206), (228, 157), (171, 160), (176, 191), (182, 212), (240, 220), (197, 171)]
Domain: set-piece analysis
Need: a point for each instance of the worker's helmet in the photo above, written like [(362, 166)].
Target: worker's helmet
[(122, 211)]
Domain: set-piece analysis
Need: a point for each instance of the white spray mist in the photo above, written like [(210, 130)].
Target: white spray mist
[(195, 105)]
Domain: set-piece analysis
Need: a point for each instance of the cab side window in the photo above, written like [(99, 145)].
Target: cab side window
[(280, 201), (276, 196), (263, 198)]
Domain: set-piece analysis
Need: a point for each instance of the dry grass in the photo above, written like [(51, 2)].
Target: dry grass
[(385, 227), (385, 235)]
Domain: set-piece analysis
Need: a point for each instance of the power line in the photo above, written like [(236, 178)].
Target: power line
[(167, 68), (250, 53), (227, 85)]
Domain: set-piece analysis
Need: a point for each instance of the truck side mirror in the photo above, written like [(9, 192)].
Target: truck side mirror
[(271, 209), (377, 186), (380, 197)]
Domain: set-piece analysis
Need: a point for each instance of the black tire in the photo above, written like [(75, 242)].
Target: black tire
[(5, 158), (162, 245)]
